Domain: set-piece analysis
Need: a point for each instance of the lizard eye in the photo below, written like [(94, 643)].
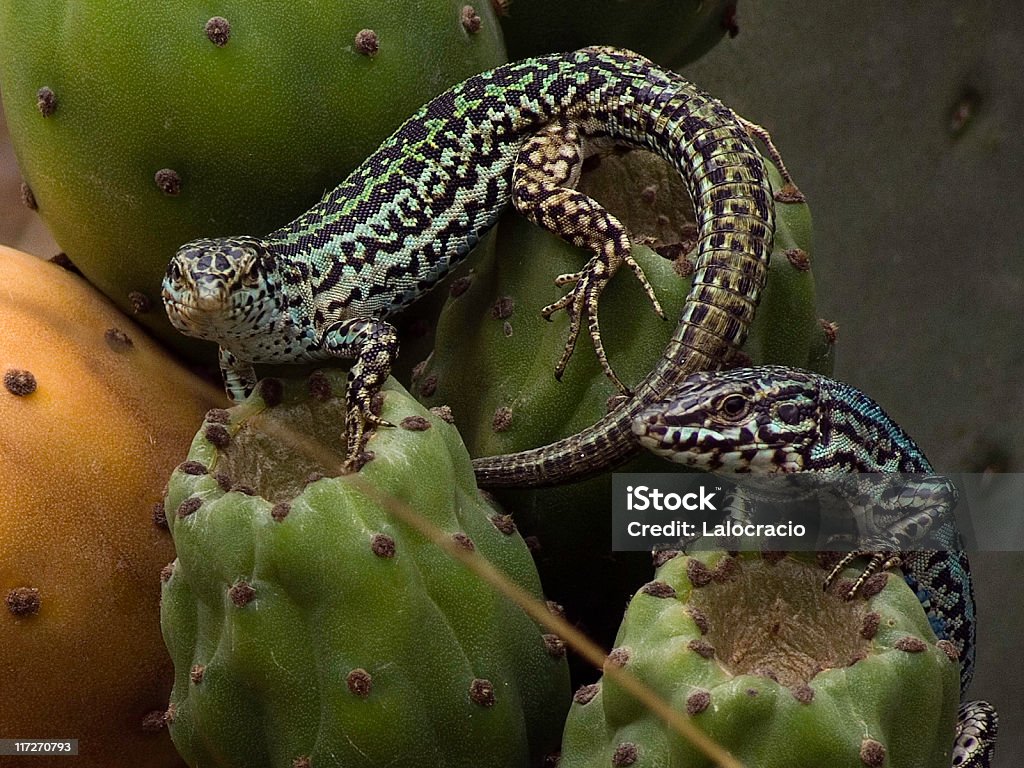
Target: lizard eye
[(734, 406), (174, 271)]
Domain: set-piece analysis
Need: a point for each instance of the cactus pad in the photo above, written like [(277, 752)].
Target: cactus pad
[(774, 669), (140, 124), (93, 417), (308, 624)]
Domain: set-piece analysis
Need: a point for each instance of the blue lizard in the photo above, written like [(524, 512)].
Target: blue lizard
[(773, 419)]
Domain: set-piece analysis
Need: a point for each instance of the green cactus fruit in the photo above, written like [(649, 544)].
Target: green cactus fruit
[(672, 32), (774, 669), (310, 626), (494, 358), (141, 125)]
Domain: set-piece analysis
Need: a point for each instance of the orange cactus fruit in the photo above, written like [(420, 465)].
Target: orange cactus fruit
[(94, 416)]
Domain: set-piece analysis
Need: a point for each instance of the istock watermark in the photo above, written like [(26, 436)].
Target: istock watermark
[(642, 498), (681, 530), (806, 512)]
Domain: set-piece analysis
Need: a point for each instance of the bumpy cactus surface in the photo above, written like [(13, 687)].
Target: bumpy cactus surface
[(141, 125), (494, 357), (311, 627), (774, 669), (94, 417), (672, 32), (494, 354)]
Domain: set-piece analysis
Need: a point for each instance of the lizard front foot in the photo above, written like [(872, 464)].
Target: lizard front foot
[(374, 344), (360, 424)]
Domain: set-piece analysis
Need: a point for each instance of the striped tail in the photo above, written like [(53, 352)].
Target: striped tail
[(727, 180)]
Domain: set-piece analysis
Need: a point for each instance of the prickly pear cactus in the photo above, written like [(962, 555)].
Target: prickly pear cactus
[(672, 32), (94, 416), (141, 124), (494, 356), (774, 669), (311, 627)]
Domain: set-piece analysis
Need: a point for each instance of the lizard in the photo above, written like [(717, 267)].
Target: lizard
[(774, 419), (325, 285)]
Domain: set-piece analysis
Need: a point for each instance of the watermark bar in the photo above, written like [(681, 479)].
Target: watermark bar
[(38, 747), (809, 512)]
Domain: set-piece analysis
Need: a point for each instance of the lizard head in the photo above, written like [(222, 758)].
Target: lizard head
[(220, 288), (758, 420)]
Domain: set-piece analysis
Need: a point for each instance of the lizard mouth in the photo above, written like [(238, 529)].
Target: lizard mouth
[(192, 320), (189, 308), (712, 449), (180, 310)]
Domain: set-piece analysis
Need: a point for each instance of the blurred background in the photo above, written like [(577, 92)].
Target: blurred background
[(901, 124), (19, 227)]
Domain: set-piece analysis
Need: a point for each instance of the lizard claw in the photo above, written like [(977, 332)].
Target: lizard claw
[(645, 283), (360, 424), (582, 301), (878, 561)]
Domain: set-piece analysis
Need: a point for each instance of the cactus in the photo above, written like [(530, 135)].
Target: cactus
[(671, 32), (95, 415), (774, 669), (141, 125), (494, 355), (309, 626)]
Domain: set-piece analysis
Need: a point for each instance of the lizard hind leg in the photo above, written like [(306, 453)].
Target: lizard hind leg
[(543, 189), (756, 131)]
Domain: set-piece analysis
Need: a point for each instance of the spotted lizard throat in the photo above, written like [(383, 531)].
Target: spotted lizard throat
[(326, 285)]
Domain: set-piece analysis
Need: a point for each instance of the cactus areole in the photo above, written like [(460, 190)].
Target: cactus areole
[(307, 623), (776, 670)]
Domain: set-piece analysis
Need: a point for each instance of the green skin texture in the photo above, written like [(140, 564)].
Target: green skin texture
[(671, 32), (256, 129), (479, 369), (420, 623), (906, 701)]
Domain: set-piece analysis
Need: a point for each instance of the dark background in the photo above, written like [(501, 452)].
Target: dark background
[(901, 122)]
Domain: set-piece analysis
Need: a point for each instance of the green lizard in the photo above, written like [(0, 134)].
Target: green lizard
[(325, 285)]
